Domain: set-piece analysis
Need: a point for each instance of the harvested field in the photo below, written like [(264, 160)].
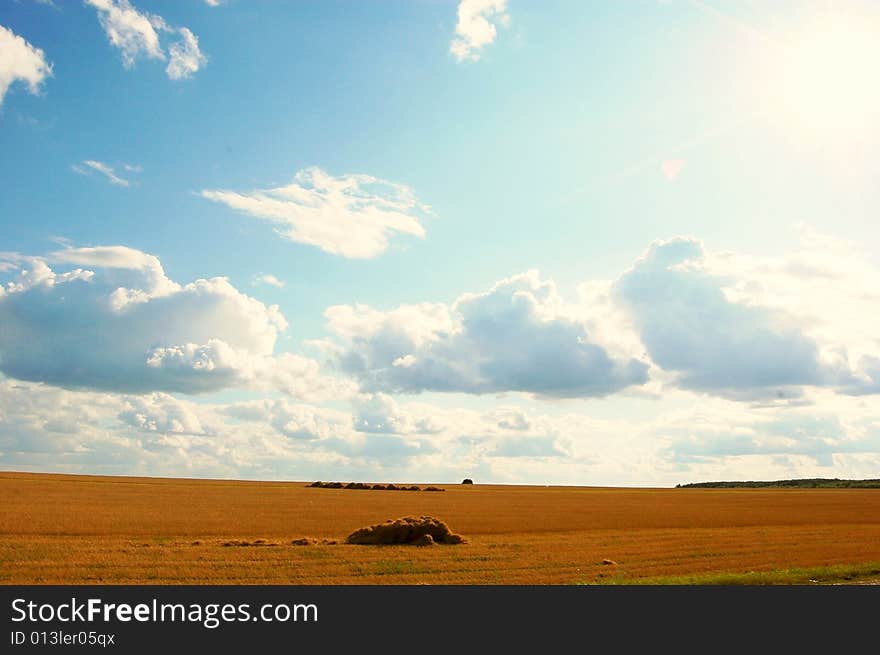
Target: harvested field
[(57, 529)]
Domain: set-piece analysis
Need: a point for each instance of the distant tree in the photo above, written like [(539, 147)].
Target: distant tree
[(467, 481)]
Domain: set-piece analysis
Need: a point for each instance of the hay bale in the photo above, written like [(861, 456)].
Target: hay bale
[(412, 488), (379, 487), (304, 541), (334, 485), (392, 487), (316, 484), (406, 530), (434, 489), (467, 481), (424, 540)]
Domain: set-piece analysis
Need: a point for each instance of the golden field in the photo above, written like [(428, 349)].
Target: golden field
[(64, 529)]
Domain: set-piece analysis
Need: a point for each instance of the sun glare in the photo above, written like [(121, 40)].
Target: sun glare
[(826, 82)]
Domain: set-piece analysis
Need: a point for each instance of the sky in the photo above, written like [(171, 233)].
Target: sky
[(594, 243)]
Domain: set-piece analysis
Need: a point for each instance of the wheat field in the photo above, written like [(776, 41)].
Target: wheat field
[(65, 529)]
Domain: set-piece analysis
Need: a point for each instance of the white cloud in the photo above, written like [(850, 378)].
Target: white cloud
[(49, 428), (694, 438), (139, 34), (510, 418), (826, 285), (757, 328), (528, 447), (690, 327), (268, 278), (185, 57), (109, 322), (125, 326), (20, 61), (518, 336), (714, 433), (475, 28), (133, 32), (294, 420), (380, 413), (353, 216), (89, 165), (160, 412), (212, 3)]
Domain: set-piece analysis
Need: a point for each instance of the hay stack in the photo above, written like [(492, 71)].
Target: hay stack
[(407, 530)]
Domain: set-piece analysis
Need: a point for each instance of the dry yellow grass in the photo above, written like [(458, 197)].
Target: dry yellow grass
[(57, 529)]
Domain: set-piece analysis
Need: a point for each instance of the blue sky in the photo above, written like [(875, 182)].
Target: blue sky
[(564, 242)]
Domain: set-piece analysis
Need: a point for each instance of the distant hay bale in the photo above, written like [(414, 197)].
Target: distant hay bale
[(424, 540), (243, 543), (309, 541), (407, 530), (467, 481), (375, 487)]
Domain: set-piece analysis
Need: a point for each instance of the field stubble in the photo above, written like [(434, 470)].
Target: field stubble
[(57, 529)]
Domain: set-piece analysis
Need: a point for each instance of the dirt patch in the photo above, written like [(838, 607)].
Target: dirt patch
[(407, 530)]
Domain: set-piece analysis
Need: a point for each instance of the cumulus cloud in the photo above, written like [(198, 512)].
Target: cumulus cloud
[(510, 418), (476, 27), (125, 326), (514, 337), (694, 438), (353, 216), (44, 427), (827, 286), (380, 413), (22, 62), (692, 328), (831, 427), (139, 34), (87, 166), (160, 412), (528, 447), (293, 420)]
